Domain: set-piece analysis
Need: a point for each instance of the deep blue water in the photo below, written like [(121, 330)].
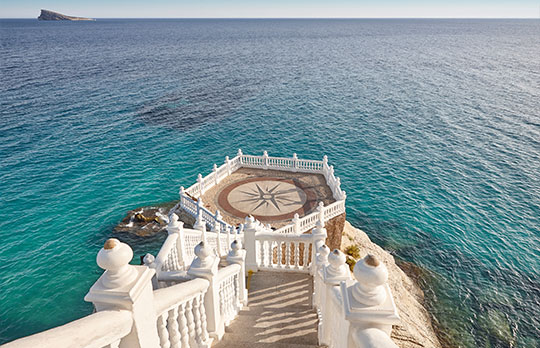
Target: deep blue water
[(433, 126)]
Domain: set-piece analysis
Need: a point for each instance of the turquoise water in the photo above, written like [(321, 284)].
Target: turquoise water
[(433, 126)]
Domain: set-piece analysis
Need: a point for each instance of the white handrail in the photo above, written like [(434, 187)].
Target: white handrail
[(97, 330)]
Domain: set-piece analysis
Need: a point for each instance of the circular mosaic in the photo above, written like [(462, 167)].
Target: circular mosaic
[(265, 198)]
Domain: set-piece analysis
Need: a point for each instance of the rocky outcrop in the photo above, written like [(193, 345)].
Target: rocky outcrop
[(334, 229), (416, 329), (47, 15)]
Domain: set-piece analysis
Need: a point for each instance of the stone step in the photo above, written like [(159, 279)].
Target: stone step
[(249, 337), (227, 344), (258, 310)]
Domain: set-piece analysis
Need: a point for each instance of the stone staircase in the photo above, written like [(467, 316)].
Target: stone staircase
[(279, 314)]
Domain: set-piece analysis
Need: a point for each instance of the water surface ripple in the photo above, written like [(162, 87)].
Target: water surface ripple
[(433, 126)]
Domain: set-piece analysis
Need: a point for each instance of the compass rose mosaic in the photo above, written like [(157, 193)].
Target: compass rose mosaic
[(266, 198)]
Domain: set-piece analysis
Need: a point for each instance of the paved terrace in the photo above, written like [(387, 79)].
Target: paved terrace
[(271, 196)]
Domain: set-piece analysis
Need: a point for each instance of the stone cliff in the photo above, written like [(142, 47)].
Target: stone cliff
[(47, 15), (416, 329)]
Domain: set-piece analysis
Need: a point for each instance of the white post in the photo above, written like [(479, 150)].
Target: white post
[(176, 226), (265, 160), (230, 231), (240, 154), (296, 222), (238, 255), (214, 170), (205, 265), (181, 193), (320, 208), (319, 235), (123, 286), (228, 161), (321, 260), (199, 181), (217, 229), (295, 162), (250, 231), (369, 306), (200, 206), (199, 223), (334, 273)]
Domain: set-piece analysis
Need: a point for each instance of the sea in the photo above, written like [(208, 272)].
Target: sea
[(433, 126)]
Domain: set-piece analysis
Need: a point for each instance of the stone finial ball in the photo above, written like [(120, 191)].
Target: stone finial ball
[(336, 258), (114, 255), (370, 271), (202, 251), (174, 218), (235, 245), (324, 250)]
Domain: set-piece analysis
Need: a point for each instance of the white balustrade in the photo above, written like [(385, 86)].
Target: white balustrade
[(102, 329)]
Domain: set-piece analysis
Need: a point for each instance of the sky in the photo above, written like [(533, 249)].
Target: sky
[(275, 8)]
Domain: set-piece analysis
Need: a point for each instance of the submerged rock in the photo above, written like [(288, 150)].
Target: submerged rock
[(144, 221), (47, 15)]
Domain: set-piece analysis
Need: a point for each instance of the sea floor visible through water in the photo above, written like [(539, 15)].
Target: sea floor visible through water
[(432, 125)]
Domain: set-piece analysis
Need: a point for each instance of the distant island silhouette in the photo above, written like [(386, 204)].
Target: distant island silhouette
[(47, 15)]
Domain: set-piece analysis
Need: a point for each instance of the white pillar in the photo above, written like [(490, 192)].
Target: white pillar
[(214, 170), (250, 231), (228, 162), (124, 286), (176, 226), (319, 235), (296, 221), (217, 231), (205, 265), (200, 223), (238, 255), (265, 160), (369, 306), (240, 154), (295, 162), (201, 188), (320, 209), (333, 274)]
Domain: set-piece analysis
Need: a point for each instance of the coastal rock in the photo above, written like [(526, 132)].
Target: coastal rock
[(416, 329), (144, 221), (47, 15)]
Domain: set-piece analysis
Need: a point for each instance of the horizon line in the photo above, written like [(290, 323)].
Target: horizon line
[(286, 18)]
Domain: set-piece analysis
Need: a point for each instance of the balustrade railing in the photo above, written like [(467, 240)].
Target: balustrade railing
[(284, 252), (190, 198), (181, 316), (228, 280), (103, 329)]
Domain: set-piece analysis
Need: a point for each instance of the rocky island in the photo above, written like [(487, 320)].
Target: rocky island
[(47, 15)]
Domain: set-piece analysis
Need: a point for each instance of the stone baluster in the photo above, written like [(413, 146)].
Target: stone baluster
[(295, 162), (201, 334), (237, 255), (325, 164), (368, 305), (250, 231), (240, 154), (228, 162), (124, 286), (205, 265), (182, 193), (163, 332), (172, 325), (200, 182), (333, 274), (190, 318)]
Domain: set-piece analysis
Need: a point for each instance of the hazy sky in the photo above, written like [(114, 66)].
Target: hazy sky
[(275, 8)]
